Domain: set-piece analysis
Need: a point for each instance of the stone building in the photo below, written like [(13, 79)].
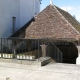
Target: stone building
[(57, 26)]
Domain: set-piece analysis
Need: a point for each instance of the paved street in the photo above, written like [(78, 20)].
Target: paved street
[(52, 71)]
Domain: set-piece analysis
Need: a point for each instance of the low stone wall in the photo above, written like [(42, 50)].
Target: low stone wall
[(24, 62), (28, 57), (9, 56), (19, 56), (38, 62)]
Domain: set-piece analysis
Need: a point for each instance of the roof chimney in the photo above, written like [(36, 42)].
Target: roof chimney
[(51, 2)]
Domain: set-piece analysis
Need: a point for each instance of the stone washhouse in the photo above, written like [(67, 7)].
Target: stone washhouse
[(57, 26)]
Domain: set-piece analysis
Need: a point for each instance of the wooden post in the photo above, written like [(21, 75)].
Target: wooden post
[(14, 49), (29, 45)]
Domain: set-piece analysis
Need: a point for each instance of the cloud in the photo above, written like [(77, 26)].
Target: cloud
[(78, 18), (68, 8)]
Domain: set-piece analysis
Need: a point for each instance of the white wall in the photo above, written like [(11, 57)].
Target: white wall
[(8, 9), (27, 10), (23, 10)]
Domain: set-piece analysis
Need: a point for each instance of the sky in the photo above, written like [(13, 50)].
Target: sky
[(71, 6)]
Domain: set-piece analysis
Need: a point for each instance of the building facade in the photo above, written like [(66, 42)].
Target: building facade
[(15, 13)]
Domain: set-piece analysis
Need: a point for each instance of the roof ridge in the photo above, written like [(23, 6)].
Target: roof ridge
[(65, 19)]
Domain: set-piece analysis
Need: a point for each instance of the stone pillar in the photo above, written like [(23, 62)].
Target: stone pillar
[(78, 47), (43, 47), (78, 58)]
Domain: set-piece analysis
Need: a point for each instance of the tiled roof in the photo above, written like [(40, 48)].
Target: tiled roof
[(70, 19), (53, 23), (21, 31)]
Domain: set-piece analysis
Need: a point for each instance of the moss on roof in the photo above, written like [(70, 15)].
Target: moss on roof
[(70, 19)]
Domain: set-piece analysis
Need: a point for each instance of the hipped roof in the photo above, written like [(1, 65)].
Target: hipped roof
[(53, 23)]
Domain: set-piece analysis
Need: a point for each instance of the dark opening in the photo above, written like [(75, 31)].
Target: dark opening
[(70, 52), (63, 52)]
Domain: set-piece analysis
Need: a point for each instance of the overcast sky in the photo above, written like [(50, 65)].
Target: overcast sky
[(71, 6)]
